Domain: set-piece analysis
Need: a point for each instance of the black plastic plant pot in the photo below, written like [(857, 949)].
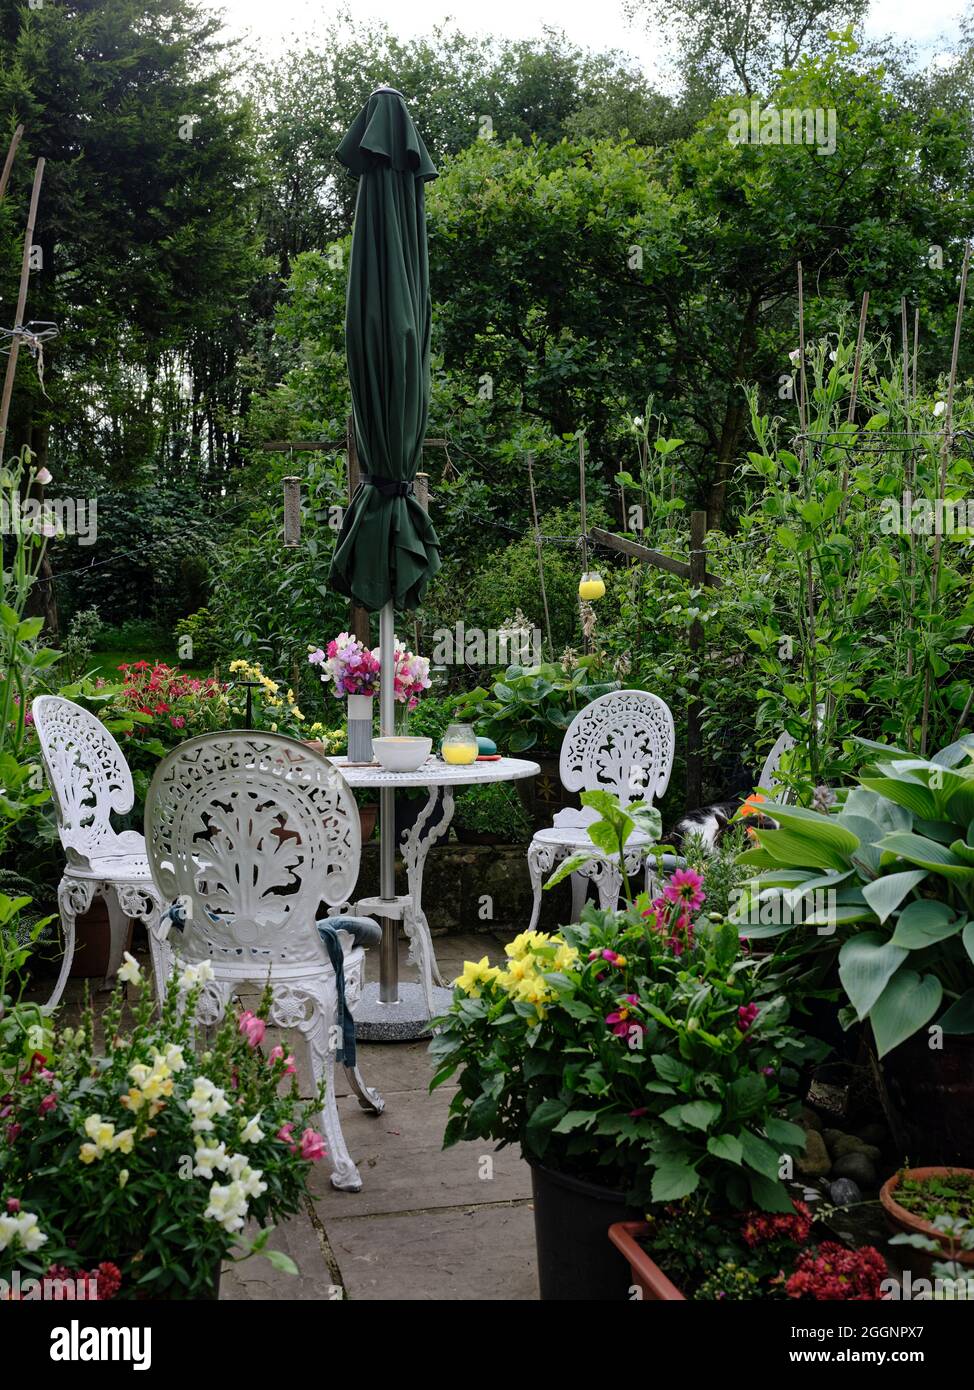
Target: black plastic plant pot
[(576, 1261)]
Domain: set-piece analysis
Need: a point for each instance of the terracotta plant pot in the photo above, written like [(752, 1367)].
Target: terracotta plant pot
[(646, 1274), (912, 1224), (367, 815)]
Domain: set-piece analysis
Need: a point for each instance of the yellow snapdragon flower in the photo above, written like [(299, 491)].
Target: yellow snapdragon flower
[(475, 974)]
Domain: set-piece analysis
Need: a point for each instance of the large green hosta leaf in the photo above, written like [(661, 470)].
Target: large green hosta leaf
[(885, 894), (924, 923), (959, 1018), (876, 808), (790, 848), (905, 791), (867, 961), (906, 1004), (813, 825), (928, 854)]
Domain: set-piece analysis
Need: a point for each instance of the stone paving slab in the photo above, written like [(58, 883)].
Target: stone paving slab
[(255, 1278), (399, 1154), (474, 1253)]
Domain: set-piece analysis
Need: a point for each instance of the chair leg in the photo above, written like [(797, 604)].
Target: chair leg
[(367, 1097), (345, 1176), (579, 894), (609, 885), (119, 924), (73, 897), (540, 859)]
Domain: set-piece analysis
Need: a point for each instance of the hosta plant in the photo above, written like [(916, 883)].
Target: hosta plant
[(885, 877), (640, 1050)]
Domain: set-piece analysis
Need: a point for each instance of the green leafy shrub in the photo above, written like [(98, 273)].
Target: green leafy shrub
[(492, 810)]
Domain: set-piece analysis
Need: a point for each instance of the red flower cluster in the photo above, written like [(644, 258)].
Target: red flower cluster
[(101, 1284), (831, 1272), (152, 688), (760, 1227), (746, 1015)]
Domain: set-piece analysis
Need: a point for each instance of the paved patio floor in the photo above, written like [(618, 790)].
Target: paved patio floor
[(428, 1224)]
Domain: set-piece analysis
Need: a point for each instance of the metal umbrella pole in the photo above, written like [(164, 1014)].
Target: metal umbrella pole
[(389, 949)]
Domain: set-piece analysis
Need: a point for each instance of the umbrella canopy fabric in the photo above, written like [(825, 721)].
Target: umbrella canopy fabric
[(387, 548)]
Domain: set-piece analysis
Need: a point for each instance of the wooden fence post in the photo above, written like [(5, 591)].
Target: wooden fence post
[(698, 570)]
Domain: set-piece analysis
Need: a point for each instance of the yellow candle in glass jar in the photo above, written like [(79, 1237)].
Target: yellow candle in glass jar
[(459, 745), (459, 753), (591, 586)]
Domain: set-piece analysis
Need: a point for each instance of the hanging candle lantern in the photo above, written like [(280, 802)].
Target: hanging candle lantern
[(591, 586)]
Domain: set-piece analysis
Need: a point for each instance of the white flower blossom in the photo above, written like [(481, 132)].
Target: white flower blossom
[(209, 1158), (129, 972), (22, 1229), (228, 1205), (251, 1132)]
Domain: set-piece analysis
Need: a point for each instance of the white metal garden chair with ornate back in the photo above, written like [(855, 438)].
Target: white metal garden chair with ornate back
[(251, 835), (622, 743), (89, 780)]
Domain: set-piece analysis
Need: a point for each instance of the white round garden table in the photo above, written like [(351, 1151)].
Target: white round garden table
[(374, 1020)]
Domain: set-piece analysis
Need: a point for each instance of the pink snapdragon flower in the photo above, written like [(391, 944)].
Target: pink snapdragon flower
[(277, 1055), (312, 1146), (252, 1027)]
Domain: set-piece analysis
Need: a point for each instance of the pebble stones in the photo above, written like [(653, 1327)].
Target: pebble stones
[(815, 1161), (843, 1192), (857, 1167)]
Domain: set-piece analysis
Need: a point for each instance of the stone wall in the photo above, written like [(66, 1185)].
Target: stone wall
[(459, 878)]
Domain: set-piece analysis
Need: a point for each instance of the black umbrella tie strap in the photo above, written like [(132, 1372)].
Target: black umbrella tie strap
[(390, 487)]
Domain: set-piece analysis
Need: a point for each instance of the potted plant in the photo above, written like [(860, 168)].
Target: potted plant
[(490, 815), (932, 1209), (138, 1169), (687, 1251), (637, 1058), (528, 709), (881, 886)]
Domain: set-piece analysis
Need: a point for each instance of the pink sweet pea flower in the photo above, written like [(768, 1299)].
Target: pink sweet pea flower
[(312, 1146)]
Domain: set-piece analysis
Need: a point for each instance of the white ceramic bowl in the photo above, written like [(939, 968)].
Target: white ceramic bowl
[(402, 754)]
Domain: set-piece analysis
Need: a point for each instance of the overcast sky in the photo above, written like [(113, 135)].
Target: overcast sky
[(274, 23)]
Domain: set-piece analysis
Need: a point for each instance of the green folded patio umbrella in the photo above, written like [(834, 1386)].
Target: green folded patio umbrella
[(387, 550), (387, 547)]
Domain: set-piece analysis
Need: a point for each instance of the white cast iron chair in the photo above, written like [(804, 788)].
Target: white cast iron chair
[(622, 743), (767, 781), (89, 779), (250, 833)]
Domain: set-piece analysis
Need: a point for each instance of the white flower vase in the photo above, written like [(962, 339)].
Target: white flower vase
[(360, 728)]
